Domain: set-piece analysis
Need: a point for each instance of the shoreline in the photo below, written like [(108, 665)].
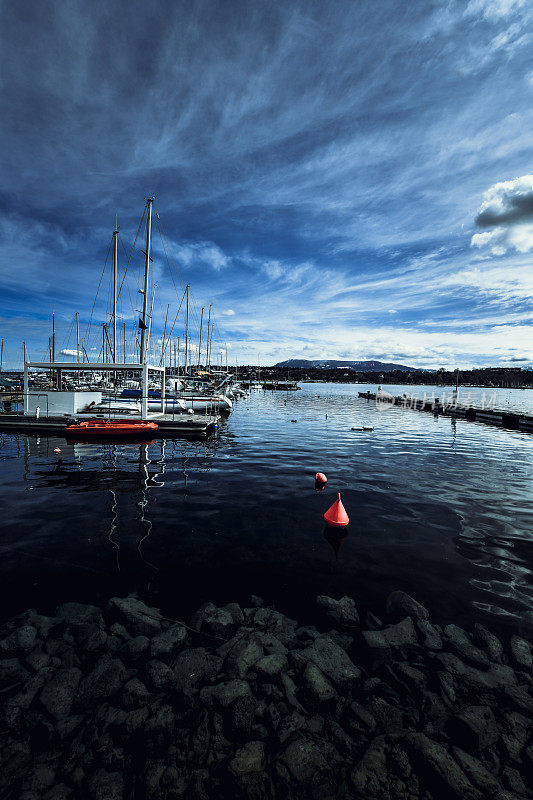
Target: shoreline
[(120, 702)]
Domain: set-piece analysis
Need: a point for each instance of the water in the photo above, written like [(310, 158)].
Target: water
[(438, 507)]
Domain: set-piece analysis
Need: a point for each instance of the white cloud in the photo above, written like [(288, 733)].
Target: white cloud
[(73, 353), (228, 313), (500, 240), (492, 9)]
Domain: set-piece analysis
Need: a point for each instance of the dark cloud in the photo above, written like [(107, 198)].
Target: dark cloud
[(516, 209)]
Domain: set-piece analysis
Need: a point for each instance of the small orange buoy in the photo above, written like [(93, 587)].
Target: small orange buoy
[(336, 515), (320, 478)]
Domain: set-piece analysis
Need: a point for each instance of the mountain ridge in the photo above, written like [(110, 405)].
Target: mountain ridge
[(362, 366)]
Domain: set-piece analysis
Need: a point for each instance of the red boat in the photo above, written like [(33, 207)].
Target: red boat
[(111, 428)]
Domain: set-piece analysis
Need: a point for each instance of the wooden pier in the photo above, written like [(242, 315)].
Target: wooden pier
[(516, 420), (169, 425)]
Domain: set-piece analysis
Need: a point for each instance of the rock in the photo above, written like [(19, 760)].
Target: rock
[(432, 638), (256, 601), (103, 682), (332, 661), (474, 728), (514, 781), (434, 762), (489, 642), (241, 715), (363, 716), (460, 643), (165, 644), (521, 652), (134, 650), (76, 614), (244, 654), (194, 666), (37, 660), (382, 644), (135, 719), (135, 694), (248, 759), (520, 697), (226, 693), (477, 773), (160, 724), (470, 680), (235, 611), (158, 674), (12, 672), (271, 644), (304, 760), (400, 605), (215, 621), (271, 666), (138, 618), (58, 694), (106, 785), (290, 691), (319, 686), (370, 776), (277, 624), (20, 642), (342, 612), (372, 623)]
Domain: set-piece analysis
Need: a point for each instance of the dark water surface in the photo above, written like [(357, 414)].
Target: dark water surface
[(440, 508)]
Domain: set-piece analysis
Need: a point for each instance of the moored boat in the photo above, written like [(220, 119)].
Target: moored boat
[(111, 428)]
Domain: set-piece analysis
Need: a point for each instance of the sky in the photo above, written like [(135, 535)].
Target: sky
[(344, 180)]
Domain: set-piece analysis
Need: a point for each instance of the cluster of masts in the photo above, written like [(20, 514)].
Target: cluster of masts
[(171, 349)]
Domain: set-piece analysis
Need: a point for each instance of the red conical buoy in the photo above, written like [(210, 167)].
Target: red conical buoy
[(320, 478), (336, 515)]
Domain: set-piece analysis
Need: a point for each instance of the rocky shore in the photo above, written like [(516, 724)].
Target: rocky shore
[(121, 702)]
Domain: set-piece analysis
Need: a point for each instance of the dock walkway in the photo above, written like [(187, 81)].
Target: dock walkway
[(516, 420), (168, 424)]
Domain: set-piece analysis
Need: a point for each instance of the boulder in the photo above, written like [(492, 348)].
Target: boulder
[(439, 769), (194, 666), (474, 728), (458, 640), (488, 642), (244, 654), (248, 760), (104, 681), (138, 618), (400, 605), (332, 660), (226, 693), (12, 672), (521, 653), (135, 694), (215, 621), (432, 638), (269, 667), (317, 684), (164, 645), (76, 614), (342, 612), (57, 696), (20, 642), (105, 785), (477, 773), (158, 675)]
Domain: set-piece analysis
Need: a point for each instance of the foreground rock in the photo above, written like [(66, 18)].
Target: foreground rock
[(119, 703)]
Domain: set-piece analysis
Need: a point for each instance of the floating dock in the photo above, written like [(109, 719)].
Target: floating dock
[(516, 420), (168, 424)]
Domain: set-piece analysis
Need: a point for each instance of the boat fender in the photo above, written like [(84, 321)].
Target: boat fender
[(320, 478), (336, 515), (57, 450)]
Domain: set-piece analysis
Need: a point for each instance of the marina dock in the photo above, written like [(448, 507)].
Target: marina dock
[(516, 420), (168, 424)]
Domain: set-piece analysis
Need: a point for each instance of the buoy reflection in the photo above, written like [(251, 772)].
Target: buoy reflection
[(336, 537)]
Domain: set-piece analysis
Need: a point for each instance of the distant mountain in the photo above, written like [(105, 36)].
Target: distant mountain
[(357, 366)]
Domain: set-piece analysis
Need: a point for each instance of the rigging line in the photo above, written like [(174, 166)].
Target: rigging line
[(127, 287), (163, 240), (175, 318), (132, 249), (96, 295)]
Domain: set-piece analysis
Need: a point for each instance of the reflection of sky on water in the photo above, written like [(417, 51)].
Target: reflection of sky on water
[(437, 506)]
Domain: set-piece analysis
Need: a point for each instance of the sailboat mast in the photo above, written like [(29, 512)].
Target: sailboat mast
[(200, 342), (143, 325), (78, 336), (187, 331), (207, 340), (115, 281)]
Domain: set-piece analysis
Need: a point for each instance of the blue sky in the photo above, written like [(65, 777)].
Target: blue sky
[(339, 180)]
